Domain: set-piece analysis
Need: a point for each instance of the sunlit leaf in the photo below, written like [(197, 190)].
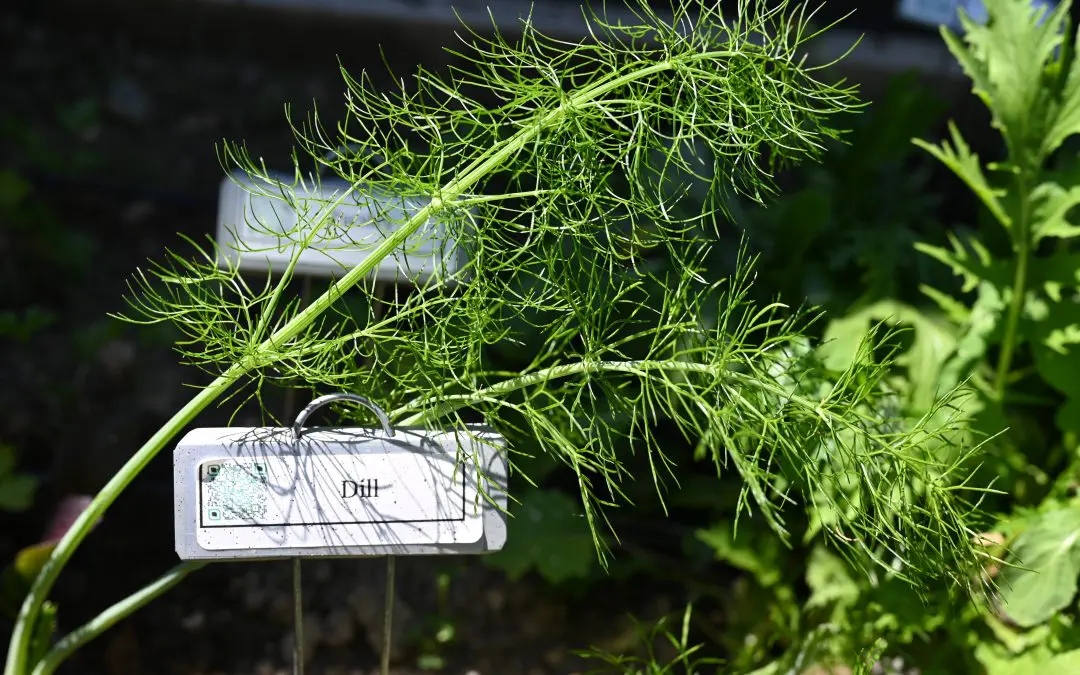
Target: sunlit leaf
[(829, 579), (1049, 549), (1064, 110), (933, 342), (971, 261), (1006, 61), (1036, 662), (965, 164), (1052, 204)]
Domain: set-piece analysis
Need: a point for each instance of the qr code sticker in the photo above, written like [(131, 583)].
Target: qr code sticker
[(235, 491)]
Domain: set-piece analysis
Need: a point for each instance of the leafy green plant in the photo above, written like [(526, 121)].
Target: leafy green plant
[(553, 539), (554, 166), (1007, 336)]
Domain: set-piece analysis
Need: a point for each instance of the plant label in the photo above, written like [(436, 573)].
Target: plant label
[(263, 493), (337, 227)]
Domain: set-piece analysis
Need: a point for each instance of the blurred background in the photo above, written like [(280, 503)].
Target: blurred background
[(110, 115)]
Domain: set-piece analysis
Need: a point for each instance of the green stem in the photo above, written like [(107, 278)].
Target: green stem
[(446, 404), (108, 618), (1019, 288), (472, 174)]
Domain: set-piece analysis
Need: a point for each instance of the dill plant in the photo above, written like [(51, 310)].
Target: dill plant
[(556, 166)]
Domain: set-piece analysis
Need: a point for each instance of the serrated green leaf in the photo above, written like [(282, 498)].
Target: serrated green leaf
[(901, 616), (970, 260), (1055, 346), (1061, 339), (1065, 111), (1052, 204), (975, 336), (548, 534), (1058, 270), (1058, 333), (1006, 59), (1050, 550), (959, 158), (956, 311)]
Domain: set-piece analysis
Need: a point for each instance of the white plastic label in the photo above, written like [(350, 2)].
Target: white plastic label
[(264, 493), (333, 500), (257, 228)]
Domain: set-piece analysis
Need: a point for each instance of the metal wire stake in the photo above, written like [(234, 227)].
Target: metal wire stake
[(297, 588), (298, 617), (298, 620), (388, 615)]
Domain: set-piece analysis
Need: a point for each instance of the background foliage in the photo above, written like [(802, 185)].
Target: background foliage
[(988, 303)]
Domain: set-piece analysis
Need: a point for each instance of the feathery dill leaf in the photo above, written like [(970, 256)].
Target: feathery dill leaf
[(556, 166)]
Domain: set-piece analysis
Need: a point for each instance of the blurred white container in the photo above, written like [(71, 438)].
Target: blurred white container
[(258, 230)]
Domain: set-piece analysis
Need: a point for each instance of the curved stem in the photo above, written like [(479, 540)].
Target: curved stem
[(1019, 288), (465, 180), (450, 403), (39, 590), (108, 618)]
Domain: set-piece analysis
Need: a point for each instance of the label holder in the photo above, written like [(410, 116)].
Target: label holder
[(271, 492)]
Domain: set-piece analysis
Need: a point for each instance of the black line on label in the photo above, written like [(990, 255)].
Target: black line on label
[(202, 515)]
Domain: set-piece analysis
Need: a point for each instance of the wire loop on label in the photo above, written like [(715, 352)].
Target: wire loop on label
[(298, 425)]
